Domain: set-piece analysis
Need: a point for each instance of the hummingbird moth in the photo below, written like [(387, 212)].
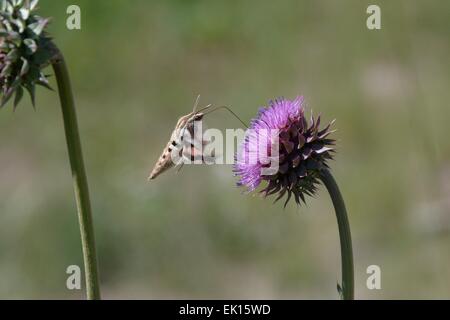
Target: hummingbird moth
[(186, 147)]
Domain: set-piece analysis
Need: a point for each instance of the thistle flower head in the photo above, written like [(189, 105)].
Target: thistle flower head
[(25, 49), (302, 151)]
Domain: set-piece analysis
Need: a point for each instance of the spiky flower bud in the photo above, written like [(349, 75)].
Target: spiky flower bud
[(25, 49), (303, 150)]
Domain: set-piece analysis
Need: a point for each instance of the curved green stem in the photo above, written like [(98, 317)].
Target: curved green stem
[(80, 183), (344, 235)]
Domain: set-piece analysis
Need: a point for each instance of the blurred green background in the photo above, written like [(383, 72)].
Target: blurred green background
[(138, 65)]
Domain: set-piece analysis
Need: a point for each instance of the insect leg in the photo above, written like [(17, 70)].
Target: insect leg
[(180, 166)]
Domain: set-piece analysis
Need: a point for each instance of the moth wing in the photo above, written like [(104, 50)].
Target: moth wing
[(165, 161)]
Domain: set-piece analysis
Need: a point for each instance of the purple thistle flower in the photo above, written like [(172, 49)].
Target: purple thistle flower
[(303, 150)]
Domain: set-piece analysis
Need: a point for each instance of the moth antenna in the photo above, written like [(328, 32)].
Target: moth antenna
[(203, 109), (196, 104), (229, 110)]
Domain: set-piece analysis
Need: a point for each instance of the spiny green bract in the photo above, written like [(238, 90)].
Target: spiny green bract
[(25, 49)]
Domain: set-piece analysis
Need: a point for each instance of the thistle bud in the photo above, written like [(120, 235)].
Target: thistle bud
[(25, 50)]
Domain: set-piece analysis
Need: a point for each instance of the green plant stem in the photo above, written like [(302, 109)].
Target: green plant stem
[(344, 235), (80, 183)]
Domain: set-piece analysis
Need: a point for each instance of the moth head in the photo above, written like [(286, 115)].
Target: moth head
[(198, 116), (190, 119)]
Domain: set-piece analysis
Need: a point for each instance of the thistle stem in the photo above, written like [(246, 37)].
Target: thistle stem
[(80, 183), (344, 235)]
